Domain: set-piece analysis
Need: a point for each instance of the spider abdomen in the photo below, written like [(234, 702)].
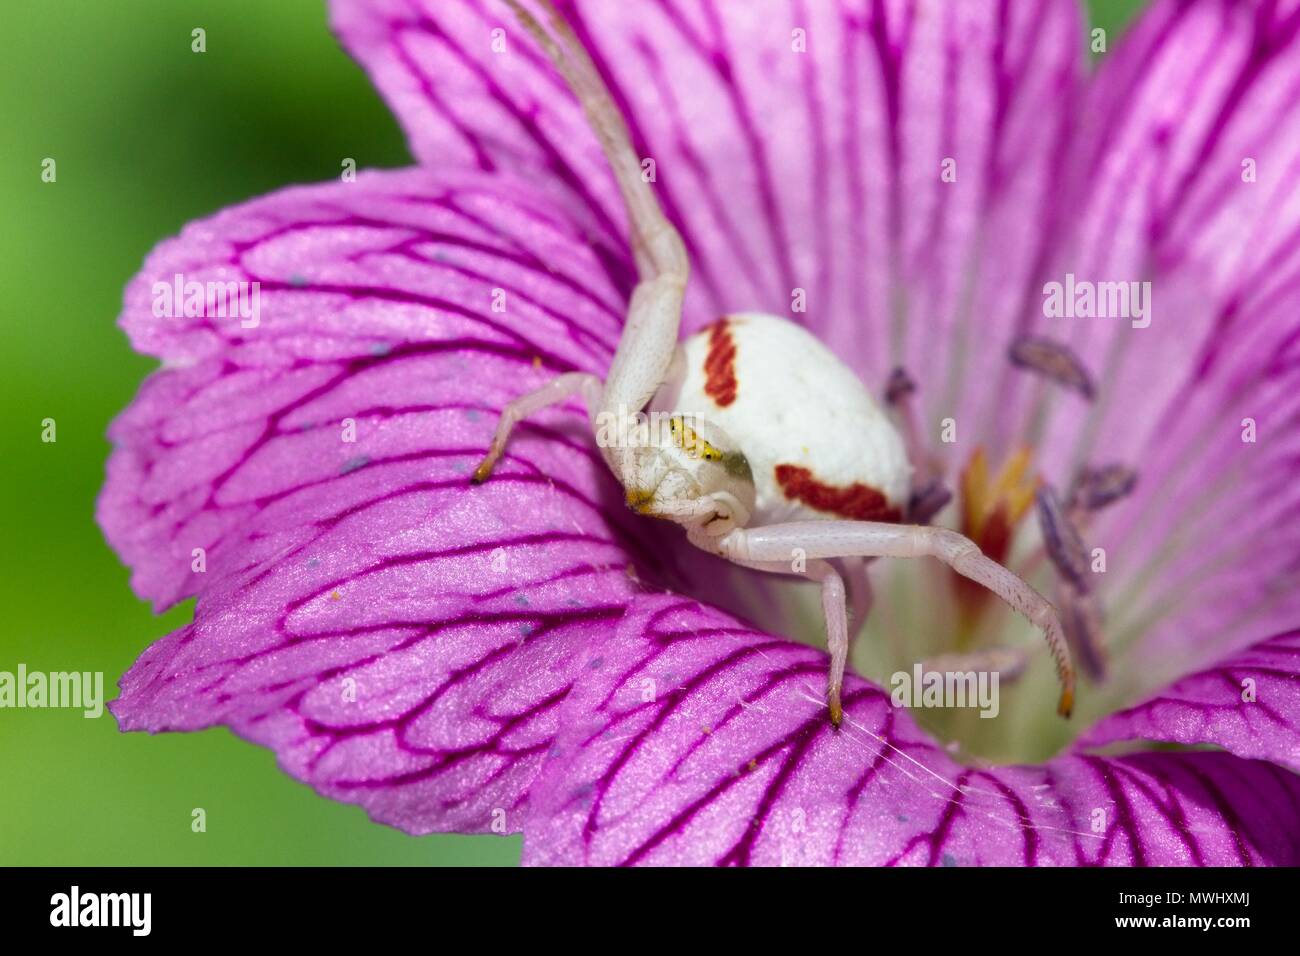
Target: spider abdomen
[(817, 442)]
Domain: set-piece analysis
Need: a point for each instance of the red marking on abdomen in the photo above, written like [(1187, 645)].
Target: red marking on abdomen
[(720, 365), (858, 502)]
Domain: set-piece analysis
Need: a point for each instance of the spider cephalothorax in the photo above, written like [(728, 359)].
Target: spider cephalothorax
[(775, 456), (688, 470)]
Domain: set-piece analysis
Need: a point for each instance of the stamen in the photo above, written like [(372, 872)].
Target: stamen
[(1081, 621), (1061, 538), (1009, 662), (1095, 488), (928, 501), (898, 396), (899, 387), (1054, 361)]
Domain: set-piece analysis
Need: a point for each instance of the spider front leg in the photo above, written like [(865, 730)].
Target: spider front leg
[(645, 349), (553, 392), (858, 585), (835, 539)]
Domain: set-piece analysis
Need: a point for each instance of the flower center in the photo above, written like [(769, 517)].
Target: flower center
[(961, 630), (926, 620), (943, 623)]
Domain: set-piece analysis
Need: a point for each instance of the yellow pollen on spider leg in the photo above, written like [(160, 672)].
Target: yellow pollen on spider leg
[(1065, 706), (639, 500)]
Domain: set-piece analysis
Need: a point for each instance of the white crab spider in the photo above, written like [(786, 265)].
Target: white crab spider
[(771, 440)]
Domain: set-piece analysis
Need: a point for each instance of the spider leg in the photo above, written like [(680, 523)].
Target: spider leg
[(837, 621), (649, 337), (553, 392), (835, 539), (858, 586)]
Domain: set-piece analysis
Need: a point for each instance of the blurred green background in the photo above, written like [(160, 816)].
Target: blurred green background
[(147, 136)]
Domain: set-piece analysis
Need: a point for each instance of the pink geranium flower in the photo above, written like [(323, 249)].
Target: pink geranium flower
[(529, 655)]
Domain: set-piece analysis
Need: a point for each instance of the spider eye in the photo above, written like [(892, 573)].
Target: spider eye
[(689, 440)]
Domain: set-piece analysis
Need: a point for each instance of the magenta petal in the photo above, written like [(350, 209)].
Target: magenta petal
[(799, 146), (1249, 705), (401, 640), (694, 741), (472, 660), (1186, 174), (376, 305)]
